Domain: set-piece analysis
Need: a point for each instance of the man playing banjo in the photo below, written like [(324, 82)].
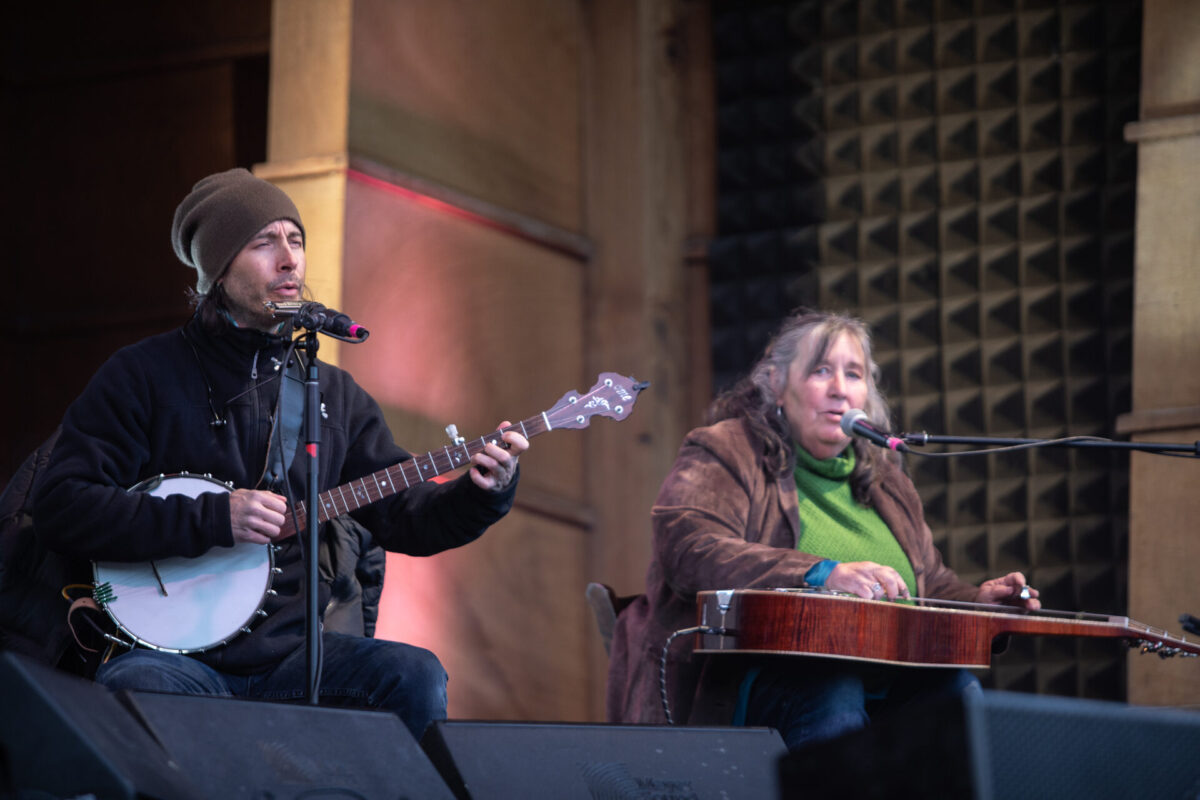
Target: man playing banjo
[(206, 399)]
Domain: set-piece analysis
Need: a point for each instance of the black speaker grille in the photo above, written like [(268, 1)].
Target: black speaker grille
[(486, 760), (1070, 748)]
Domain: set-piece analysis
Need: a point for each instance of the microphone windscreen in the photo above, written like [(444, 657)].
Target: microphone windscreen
[(850, 417)]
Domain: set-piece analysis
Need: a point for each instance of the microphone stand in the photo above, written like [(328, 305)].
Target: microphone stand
[(921, 439), (312, 441), (1189, 622), (313, 318)]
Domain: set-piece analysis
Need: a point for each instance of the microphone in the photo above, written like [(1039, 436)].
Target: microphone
[(316, 317), (855, 423)]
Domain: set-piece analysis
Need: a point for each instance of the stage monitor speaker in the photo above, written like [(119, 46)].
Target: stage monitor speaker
[(254, 749), (62, 736), (1002, 745), (489, 760)]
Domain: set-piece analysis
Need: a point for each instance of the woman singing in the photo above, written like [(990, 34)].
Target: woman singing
[(774, 494)]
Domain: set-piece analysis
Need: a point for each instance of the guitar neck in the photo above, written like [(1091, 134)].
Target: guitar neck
[(389, 481)]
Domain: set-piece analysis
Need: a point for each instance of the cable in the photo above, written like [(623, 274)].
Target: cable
[(1012, 447), (662, 664), (277, 432), (1097, 442)]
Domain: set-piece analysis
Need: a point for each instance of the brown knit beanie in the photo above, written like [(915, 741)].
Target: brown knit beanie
[(220, 215)]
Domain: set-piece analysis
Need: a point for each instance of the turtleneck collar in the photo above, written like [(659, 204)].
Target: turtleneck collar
[(837, 468)]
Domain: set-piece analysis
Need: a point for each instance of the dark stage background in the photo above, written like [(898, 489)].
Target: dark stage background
[(109, 118)]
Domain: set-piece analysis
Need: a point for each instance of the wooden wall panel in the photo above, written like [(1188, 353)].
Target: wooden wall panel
[(468, 324), (479, 97), (472, 326), (1164, 551), (310, 79), (1170, 84), (1166, 346), (637, 188), (506, 616)]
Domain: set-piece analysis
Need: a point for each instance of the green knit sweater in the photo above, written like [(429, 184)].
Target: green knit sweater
[(833, 525)]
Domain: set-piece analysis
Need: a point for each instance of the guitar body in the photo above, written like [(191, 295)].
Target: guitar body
[(186, 605), (842, 627)]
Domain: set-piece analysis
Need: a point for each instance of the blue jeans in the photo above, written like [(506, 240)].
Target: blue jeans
[(811, 700), (372, 673)]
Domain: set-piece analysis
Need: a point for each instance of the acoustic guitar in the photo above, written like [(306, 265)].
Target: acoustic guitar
[(918, 633)]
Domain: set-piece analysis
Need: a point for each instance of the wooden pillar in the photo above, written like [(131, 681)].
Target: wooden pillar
[(1164, 548), (306, 131), (649, 191), (638, 182)]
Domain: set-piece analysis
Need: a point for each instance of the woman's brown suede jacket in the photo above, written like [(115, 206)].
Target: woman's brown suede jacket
[(721, 522)]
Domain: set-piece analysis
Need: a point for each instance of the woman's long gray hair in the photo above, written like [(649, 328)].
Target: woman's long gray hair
[(756, 398)]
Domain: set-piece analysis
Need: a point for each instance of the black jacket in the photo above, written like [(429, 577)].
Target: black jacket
[(148, 411), (33, 612)]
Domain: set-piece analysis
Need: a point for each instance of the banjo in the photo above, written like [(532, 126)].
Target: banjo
[(189, 605)]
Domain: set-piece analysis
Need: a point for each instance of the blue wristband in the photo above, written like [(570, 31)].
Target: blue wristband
[(820, 572)]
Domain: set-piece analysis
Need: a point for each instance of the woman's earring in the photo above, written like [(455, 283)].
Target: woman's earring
[(779, 411)]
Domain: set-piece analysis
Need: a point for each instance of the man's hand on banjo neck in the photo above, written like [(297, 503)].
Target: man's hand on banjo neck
[(257, 516)]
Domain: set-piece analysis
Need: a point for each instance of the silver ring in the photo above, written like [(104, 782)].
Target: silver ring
[(877, 588)]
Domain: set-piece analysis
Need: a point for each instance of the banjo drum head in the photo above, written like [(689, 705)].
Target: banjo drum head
[(208, 600)]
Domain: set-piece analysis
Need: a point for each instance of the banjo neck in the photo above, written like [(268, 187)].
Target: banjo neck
[(389, 481), (612, 396)]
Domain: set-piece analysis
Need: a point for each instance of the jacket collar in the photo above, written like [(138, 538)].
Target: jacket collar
[(239, 349)]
